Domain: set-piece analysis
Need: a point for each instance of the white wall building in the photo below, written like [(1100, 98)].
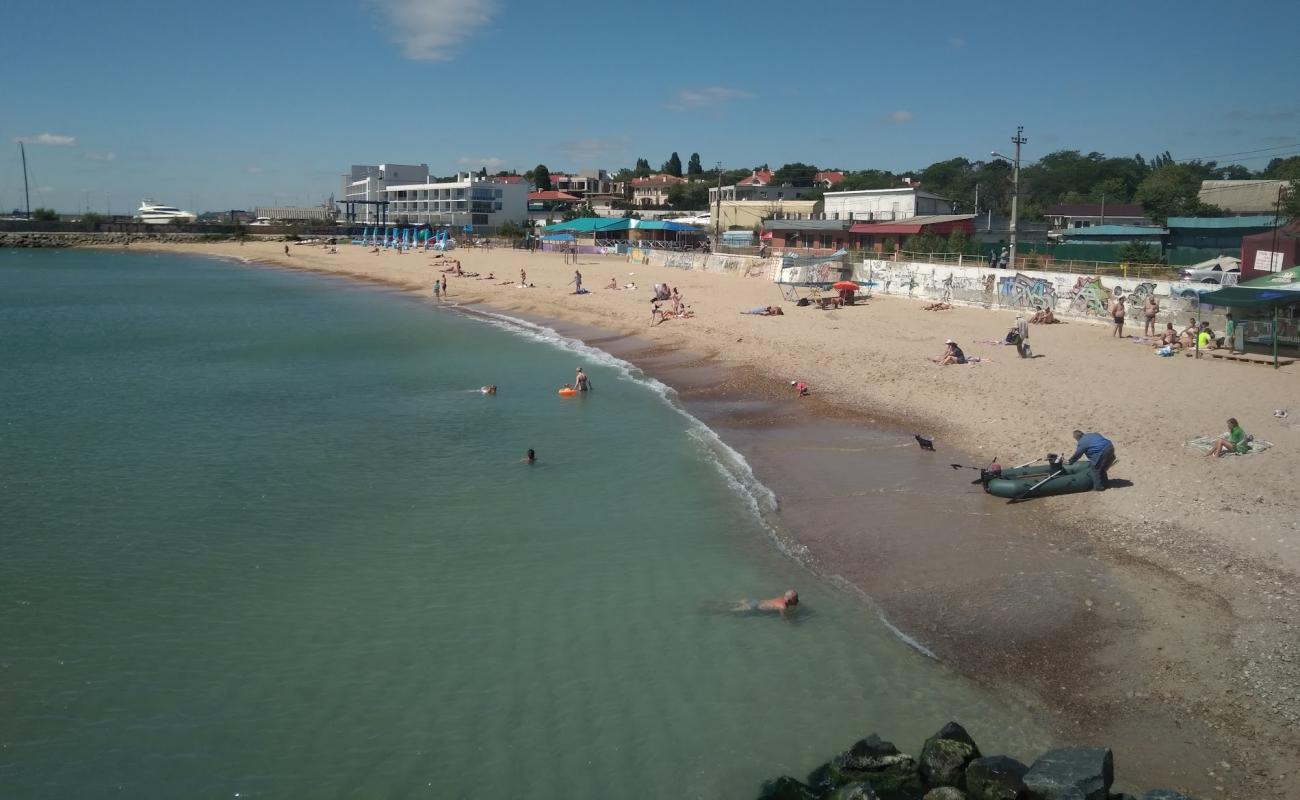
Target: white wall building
[(484, 203), (902, 202), (368, 181)]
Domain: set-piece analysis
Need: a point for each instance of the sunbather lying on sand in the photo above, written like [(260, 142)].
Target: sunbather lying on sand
[(937, 307), (766, 311)]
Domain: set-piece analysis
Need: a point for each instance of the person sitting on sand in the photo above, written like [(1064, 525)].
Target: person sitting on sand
[(1168, 336), (800, 388), (952, 354), (490, 389), (1043, 316), (937, 307), (786, 602), (1236, 442), (613, 284), (1205, 337)]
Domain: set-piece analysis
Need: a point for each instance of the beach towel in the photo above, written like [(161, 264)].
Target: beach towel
[(1205, 443)]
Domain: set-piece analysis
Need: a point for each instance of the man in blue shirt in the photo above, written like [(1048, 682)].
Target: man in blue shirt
[(1101, 454)]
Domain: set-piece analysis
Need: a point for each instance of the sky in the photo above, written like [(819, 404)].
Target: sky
[(239, 104)]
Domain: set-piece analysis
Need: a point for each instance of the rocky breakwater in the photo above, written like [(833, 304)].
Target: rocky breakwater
[(88, 239), (951, 767)]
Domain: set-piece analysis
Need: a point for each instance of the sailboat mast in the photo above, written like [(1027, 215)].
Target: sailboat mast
[(27, 195)]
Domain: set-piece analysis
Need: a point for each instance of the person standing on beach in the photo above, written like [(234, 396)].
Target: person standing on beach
[(523, 278), (1149, 310), (577, 282), (1101, 454), (1230, 333), (286, 249), (437, 289), (1117, 314)]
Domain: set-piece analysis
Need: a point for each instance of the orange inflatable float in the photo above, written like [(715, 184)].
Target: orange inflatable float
[(568, 391)]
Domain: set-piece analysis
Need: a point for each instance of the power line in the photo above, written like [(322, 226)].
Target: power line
[(1239, 153)]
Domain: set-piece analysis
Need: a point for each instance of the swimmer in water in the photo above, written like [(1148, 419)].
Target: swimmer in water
[(783, 604), (581, 381), (531, 458), (492, 389)]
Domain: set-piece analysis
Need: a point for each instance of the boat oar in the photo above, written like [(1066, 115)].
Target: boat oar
[(1027, 463), (1030, 490)]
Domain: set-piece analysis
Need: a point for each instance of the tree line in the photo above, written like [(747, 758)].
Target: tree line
[(1162, 185)]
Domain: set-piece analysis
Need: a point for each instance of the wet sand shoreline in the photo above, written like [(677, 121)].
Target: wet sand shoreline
[(1109, 642)]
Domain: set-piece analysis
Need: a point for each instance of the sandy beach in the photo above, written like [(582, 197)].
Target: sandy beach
[(1156, 617)]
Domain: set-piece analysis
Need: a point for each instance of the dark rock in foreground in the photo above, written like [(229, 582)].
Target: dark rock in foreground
[(877, 762), (945, 756), (945, 793), (855, 791), (996, 778), (1072, 773)]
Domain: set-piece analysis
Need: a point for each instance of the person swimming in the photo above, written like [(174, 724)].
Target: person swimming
[(531, 457), (490, 389), (581, 382), (786, 602)]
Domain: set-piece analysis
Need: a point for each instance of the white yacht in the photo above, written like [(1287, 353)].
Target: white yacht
[(156, 214)]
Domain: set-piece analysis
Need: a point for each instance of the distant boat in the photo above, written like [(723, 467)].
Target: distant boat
[(155, 214)]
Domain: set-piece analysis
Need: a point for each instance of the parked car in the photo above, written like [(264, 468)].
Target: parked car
[(1212, 271)]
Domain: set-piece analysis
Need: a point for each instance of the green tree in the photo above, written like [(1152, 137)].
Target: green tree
[(92, 220), (796, 174), (1290, 210), (1138, 253), (542, 178), (867, 179), (45, 214), (694, 167), (1283, 169), (673, 166), (511, 230), (692, 196), (1169, 191)]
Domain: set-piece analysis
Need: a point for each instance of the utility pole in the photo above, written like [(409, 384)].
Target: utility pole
[(717, 213), (977, 199), (1015, 192), (1103, 210)]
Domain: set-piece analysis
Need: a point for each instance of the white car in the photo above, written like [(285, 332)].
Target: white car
[(1212, 271)]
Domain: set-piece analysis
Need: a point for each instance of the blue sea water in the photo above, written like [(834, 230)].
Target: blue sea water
[(261, 536)]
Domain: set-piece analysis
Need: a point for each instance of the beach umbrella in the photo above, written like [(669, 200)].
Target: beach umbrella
[(845, 286)]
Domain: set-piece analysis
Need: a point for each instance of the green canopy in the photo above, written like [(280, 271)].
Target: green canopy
[(1250, 297)]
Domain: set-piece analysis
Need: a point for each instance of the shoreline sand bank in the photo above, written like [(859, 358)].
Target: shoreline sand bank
[(1140, 614)]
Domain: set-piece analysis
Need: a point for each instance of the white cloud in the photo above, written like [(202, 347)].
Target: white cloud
[(898, 117), (49, 139), (491, 162), (430, 30), (688, 99), (109, 156)]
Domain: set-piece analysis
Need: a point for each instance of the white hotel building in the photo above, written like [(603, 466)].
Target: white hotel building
[(484, 203)]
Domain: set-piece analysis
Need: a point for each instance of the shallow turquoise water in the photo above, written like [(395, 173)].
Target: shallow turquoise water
[(262, 537)]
